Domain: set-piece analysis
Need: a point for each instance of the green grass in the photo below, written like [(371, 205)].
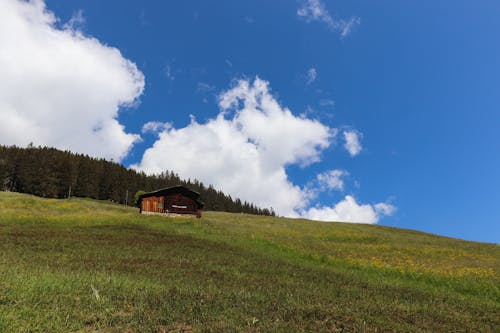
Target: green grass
[(87, 266)]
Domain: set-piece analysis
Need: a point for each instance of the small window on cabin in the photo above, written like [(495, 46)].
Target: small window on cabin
[(160, 205)]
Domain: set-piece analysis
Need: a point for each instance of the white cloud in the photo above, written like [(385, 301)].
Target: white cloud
[(60, 88), (347, 26), (348, 210), (244, 150), (77, 21), (314, 10), (352, 143), (332, 179), (155, 127), (383, 208), (311, 75)]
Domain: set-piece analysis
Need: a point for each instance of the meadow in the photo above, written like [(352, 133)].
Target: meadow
[(82, 265)]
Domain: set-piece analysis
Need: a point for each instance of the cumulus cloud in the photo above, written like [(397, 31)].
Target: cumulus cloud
[(332, 179), (312, 74), (384, 208), (59, 87), (155, 127), (245, 149), (348, 210), (77, 21), (314, 10), (352, 142)]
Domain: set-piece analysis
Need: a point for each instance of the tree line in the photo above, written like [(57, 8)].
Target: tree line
[(52, 173)]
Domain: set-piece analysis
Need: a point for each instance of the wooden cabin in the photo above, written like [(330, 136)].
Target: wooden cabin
[(172, 200)]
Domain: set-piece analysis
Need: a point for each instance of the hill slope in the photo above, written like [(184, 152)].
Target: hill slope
[(83, 265)]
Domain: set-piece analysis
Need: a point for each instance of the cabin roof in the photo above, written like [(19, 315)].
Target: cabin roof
[(179, 189)]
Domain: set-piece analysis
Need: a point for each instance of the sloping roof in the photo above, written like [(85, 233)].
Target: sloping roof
[(179, 189)]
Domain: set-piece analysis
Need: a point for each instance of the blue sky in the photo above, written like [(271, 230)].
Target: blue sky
[(417, 82)]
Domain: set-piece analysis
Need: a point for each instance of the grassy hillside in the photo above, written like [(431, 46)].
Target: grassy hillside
[(83, 266)]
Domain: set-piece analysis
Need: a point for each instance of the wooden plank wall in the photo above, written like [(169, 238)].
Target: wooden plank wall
[(150, 204)]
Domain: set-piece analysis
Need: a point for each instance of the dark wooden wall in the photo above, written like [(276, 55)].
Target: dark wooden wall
[(177, 203), (172, 203)]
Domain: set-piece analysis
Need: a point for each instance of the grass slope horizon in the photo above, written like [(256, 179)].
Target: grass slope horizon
[(83, 265)]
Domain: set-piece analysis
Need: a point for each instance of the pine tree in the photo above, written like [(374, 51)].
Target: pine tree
[(49, 172)]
